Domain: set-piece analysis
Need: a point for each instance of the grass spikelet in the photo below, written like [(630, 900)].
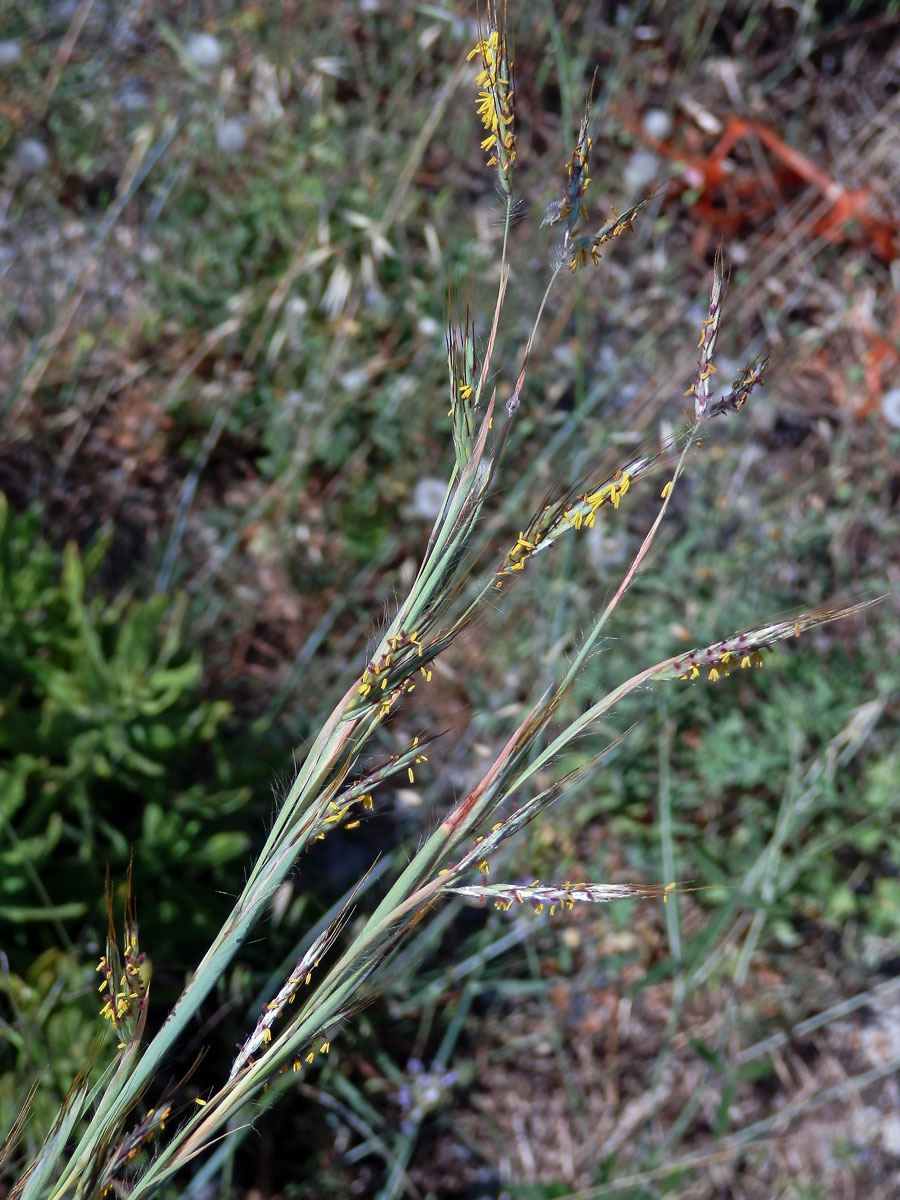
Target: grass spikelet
[(462, 366), (553, 896), (124, 1154), (748, 377), (745, 649), (570, 206), (701, 386), (496, 94), (585, 248), (300, 976), (125, 974)]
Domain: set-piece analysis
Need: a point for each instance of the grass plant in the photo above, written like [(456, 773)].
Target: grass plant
[(100, 1143)]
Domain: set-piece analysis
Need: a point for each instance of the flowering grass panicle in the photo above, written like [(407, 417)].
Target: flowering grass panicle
[(125, 975), (553, 897), (496, 94), (701, 386), (570, 206), (742, 650)]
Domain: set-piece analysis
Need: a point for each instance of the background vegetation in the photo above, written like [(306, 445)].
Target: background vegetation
[(227, 236)]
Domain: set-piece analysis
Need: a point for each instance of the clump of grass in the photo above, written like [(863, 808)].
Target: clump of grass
[(95, 1147)]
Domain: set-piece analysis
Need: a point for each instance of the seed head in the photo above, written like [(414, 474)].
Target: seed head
[(570, 206), (496, 95), (701, 387)]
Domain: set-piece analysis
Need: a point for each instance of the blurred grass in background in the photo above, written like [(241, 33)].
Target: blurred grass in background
[(227, 237)]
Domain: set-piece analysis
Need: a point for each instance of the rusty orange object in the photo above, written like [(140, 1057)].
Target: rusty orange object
[(881, 360), (730, 198)]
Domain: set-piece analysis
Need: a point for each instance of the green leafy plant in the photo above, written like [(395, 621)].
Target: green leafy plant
[(105, 743)]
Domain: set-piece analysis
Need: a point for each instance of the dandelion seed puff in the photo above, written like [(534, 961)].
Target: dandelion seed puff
[(428, 498), (204, 50), (354, 379), (32, 156), (642, 168), (657, 123), (231, 135)]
